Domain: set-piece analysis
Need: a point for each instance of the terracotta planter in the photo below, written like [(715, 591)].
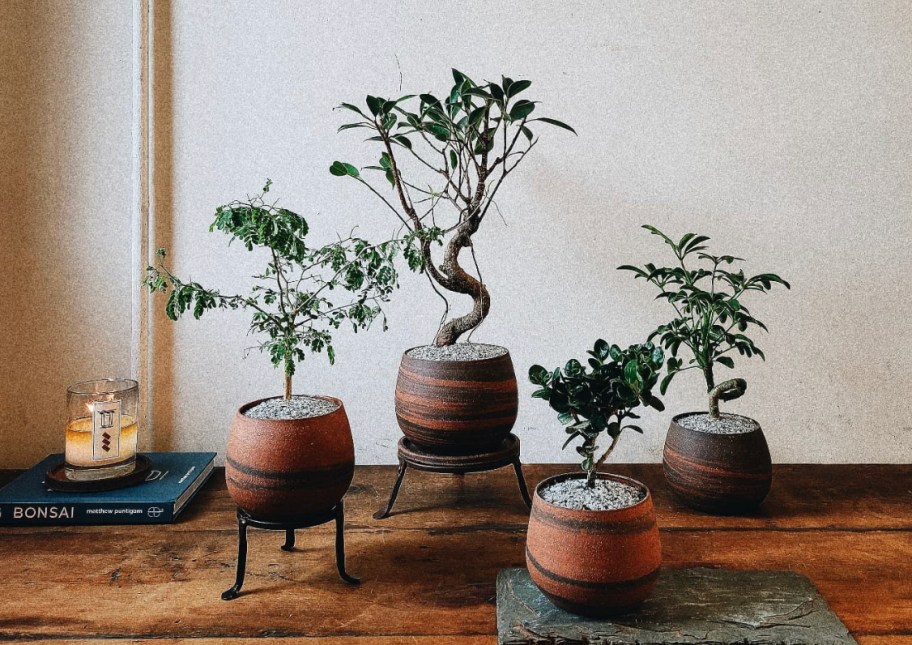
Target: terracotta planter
[(595, 563), (717, 473), (456, 407), (282, 469)]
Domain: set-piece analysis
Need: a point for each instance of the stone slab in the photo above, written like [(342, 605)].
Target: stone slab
[(697, 605)]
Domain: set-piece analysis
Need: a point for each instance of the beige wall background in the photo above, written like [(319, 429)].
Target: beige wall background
[(780, 129), (65, 198)]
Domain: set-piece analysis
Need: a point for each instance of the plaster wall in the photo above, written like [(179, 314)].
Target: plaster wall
[(782, 130), (65, 79)]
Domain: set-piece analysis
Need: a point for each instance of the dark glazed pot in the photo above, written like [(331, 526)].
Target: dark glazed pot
[(282, 469), (456, 407), (724, 474), (594, 563)]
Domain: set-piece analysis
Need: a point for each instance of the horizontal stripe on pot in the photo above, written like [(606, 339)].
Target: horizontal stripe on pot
[(595, 563), (717, 473), (280, 469), (457, 406)]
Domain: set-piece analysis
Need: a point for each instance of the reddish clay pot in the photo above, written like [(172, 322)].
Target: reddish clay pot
[(594, 563), (283, 469), (456, 407), (723, 474)]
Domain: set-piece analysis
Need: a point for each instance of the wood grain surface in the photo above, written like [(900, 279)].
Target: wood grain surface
[(429, 570)]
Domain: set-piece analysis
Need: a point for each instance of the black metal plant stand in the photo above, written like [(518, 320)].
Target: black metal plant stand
[(412, 456), (337, 513)]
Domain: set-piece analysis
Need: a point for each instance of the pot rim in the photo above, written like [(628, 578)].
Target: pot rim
[(601, 475), (676, 419), (243, 409), (405, 355)]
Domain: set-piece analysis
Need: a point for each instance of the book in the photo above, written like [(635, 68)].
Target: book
[(175, 478)]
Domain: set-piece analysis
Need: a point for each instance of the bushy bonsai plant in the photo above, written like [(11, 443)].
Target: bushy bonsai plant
[(601, 400), (595, 549), (445, 161), (296, 300), (711, 319)]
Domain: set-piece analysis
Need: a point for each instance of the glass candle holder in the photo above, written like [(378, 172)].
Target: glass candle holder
[(101, 429)]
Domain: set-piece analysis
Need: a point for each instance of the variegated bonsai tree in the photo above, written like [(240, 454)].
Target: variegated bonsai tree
[(302, 295), (601, 400), (711, 319), (445, 161)]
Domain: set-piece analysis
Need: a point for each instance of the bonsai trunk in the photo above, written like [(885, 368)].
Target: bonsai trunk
[(727, 390), (287, 395), (460, 281)]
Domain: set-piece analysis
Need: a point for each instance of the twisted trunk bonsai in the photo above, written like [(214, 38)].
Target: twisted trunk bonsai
[(461, 151)]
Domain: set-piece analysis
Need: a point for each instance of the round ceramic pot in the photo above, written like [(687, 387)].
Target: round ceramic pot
[(717, 473), (283, 469), (456, 407), (594, 563)]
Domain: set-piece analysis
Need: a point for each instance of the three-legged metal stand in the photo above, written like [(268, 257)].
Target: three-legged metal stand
[(412, 456), (244, 520)]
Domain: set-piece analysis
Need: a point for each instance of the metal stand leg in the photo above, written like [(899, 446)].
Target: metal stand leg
[(289, 540), (340, 546), (383, 513), (523, 489), (235, 591)]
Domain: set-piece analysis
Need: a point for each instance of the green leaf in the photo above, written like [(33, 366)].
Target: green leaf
[(516, 87), (521, 109), (538, 375), (454, 160), (555, 122), (726, 361), (339, 169), (375, 105), (350, 170)]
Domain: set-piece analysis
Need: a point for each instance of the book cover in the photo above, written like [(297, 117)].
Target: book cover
[(174, 480)]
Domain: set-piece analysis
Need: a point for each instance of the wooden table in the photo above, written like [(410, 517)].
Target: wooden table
[(429, 570)]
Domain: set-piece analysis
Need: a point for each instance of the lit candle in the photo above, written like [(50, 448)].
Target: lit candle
[(101, 429)]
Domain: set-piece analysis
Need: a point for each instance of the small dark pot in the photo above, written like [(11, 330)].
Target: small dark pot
[(457, 407), (282, 469), (594, 563), (725, 474)]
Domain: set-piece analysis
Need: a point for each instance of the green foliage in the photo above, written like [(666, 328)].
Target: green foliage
[(302, 295), (711, 318), (601, 398), (445, 155)]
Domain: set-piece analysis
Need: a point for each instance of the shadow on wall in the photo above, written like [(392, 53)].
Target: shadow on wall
[(163, 417)]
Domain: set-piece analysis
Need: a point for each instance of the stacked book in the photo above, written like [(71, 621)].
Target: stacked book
[(175, 478)]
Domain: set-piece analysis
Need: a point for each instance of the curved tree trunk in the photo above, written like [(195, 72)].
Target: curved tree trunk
[(461, 281)]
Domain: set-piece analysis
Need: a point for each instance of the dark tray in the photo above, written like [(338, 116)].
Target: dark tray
[(56, 479)]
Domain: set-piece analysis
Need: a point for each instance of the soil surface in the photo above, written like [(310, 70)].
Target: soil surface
[(299, 407), (606, 495), (727, 424), (457, 352)]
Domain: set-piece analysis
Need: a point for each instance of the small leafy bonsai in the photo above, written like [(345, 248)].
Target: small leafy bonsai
[(450, 155), (590, 402), (293, 301), (711, 319)]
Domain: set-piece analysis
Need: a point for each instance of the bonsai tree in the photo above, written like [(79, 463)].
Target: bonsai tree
[(710, 318), (294, 301), (446, 156), (602, 399)]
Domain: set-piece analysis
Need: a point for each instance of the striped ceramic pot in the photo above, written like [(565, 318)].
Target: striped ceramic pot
[(283, 469), (456, 407), (594, 563), (717, 473)]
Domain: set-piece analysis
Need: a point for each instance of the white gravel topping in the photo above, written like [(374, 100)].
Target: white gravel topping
[(299, 407), (457, 352), (606, 495), (726, 424)]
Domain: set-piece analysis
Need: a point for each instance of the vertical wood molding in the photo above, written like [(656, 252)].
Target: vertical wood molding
[(142, 211)]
